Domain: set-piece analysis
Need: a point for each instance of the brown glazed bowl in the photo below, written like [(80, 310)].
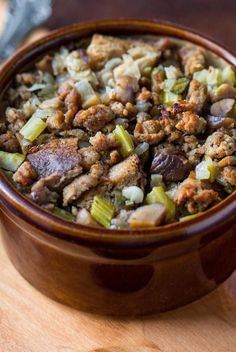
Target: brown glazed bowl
[(111, 271)]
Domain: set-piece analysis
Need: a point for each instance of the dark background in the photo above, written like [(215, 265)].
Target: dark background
[(214, 18)]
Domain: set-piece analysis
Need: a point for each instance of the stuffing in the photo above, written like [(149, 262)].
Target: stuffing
[(122, 132), (94, 118)]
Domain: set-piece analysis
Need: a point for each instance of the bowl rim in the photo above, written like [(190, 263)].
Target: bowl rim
[(58, 227)]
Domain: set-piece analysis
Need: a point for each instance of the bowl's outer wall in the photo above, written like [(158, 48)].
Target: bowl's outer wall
[(104, 282), (131, 280)]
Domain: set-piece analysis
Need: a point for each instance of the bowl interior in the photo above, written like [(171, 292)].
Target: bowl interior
[(65, 36)]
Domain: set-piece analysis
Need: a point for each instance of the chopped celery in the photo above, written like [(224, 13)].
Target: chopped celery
[(169, 98), (88, 95), (180, 85), (102, 211), (33, 128), (126, 142), (11, 161), (228, 75), (211, 167), (158, 195), (214, 76), (133, 194), (189, 217), (201, 76), (206, 170), (63, 214)]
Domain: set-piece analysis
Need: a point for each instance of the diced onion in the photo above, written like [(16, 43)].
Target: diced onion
[(37, 86), (206, 170), (128, 68), (88, 95), (201, 76), (172, 72), (134, 194), (111, 64), (214, 76), (141, 148)]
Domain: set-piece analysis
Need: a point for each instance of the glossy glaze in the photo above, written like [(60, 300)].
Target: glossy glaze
[(108, 271)]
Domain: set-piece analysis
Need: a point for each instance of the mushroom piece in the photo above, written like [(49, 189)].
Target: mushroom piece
[(57, 156), (171, 167), (147, 216), (222, 107)]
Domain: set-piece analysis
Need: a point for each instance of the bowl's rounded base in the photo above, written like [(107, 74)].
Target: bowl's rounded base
[(89, 280)]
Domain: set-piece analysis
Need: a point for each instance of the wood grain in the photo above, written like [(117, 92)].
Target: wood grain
[(30, 322)]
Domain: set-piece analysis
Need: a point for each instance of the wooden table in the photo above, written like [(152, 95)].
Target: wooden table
[(30, 322)]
